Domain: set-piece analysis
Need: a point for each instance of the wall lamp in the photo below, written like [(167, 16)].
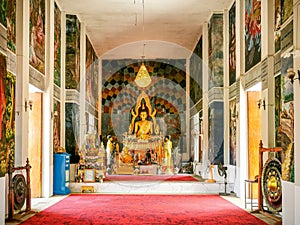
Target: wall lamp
[(291, 75), (261, 103), (28, 105), (54, 114)]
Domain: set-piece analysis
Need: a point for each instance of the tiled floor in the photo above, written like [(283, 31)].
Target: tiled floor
[(39, 204)]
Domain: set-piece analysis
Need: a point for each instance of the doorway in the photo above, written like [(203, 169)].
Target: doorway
[(254, 136), (35, 144)]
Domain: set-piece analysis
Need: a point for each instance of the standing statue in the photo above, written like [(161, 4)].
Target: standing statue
[(168, 152)]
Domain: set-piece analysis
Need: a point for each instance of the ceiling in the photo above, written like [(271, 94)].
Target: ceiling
[(147, 29)]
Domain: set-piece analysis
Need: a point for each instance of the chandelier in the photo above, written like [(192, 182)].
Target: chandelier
[(142, 79)]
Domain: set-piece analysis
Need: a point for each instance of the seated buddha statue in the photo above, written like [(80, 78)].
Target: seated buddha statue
[(143, 123), (144, 127)]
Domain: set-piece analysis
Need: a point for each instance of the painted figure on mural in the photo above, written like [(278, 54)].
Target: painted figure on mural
[(2, 96)]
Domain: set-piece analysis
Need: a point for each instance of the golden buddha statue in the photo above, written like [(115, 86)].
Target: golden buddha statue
[(143, 127)]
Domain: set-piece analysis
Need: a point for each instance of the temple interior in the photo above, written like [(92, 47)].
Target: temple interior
[(99, 89)]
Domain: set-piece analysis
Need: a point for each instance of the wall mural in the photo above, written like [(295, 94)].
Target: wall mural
[(56, 125), (3, 11), (37, 35), (286, 120), (232, 131), (215, 51), (72, 119), (215, 132), (11, 25), (232, 45), (91, 74), (57, 46), (252, 33), (166, 92), (287, 9), (7, 116), (196, 74), (72, 52), (277, 25)]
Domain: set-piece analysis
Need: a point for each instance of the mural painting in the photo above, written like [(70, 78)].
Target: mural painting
[(11, 25), (232, 46), (3, 11), (37, 35), (287, 9), (215, 133), (232, 131), (72, 52), (7, 116), (286, 119), (196, 74), (72, 120), (57, 46), (277, 25), (91, 74), (56, 125), (215, 57), (252, 33)]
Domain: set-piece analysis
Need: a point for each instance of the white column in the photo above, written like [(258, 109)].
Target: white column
[(268, 48), (47, 148), (100, 95), (242, 135), (187, 118), (2, 200), (226, 86), (22, 82), (205, 70), (63, 81), (82, 100), (295, 213)]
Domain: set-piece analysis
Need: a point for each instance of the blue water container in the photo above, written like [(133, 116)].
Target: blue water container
[(61, 181)]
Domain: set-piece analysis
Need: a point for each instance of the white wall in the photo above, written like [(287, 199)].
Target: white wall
[(2, 200)]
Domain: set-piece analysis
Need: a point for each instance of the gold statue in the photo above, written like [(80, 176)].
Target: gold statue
[(168, 152), (143, 128)]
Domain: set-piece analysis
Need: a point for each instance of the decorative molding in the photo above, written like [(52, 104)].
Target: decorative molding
[(56, 92), (216, 94), (90, 109), (233, 90), (72, 95), (12, 62), (264, 74), (253, 76), (3, 39), (36, 78), (196, 108), (287, 36), (277, 64), (237, 84)]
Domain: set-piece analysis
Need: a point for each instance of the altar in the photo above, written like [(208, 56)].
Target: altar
[(143, 143)]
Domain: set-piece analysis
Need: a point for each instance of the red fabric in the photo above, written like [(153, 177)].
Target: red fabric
[(87, 209), (149, 178)]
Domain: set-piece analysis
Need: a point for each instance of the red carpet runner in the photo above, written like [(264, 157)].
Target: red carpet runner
[(94, 209), (179, 177)]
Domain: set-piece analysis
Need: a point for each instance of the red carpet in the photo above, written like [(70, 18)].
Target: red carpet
[(179, 177), (94, 209)]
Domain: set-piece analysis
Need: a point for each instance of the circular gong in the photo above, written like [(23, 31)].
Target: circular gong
[(271, 184), (20, 191)]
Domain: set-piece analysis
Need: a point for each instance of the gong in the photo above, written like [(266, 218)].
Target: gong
[(20, 191), (271, 184)]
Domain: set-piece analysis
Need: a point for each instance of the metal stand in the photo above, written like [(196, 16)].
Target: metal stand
[(260, 196), (11, 202)]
